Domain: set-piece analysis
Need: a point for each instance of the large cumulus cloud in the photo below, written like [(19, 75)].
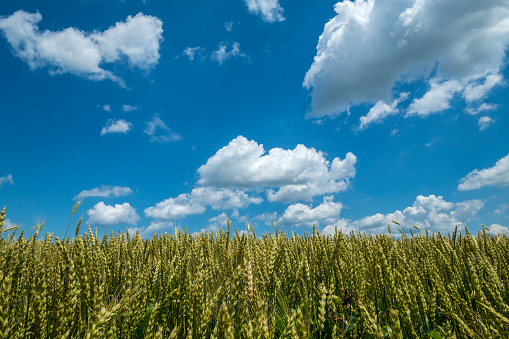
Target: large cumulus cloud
[(287, 175), (370, 46)]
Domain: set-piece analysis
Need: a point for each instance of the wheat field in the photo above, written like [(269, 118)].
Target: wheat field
[(241, 285)]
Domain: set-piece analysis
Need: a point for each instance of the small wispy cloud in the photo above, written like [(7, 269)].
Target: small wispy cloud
[(228, 26), (129, 108), (501, 209), (6, 180), (191, 52), (222, 54), (159, 132), (268, 218), (116, 126), (105, 191), (484, 107), (432, 142), (107, 108), (485, 122)]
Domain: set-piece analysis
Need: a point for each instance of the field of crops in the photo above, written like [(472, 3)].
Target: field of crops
[(231, 285)]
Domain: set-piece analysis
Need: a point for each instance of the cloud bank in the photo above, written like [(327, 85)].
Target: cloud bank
[(431, 212)]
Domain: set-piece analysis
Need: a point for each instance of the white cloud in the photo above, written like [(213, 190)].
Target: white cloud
[(497, 175), (377, 113), (431, 212), (8, 224), (432, 142), (228, 26), (215, 223), (501, 209), (7, 180), (102, 214), (269, 10), (477, 90), (287, 175), (220, 221), (159, 132), (107, 108), (485, 122), (267, 218), (105, 191), (197, 202), (74, 51), (191, 51), (116, 126), (175, 208), (129, 108), (138, 39), (299, 174), (300, 215), (482, 108), (156, 226), (370, 46), (340, 225), (497, 229), (221, 54), (381, 110), (437, 99)]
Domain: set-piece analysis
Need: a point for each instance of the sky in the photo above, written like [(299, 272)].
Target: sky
[(157, 115)]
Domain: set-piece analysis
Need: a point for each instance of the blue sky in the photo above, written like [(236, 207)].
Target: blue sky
[(348, 115)]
